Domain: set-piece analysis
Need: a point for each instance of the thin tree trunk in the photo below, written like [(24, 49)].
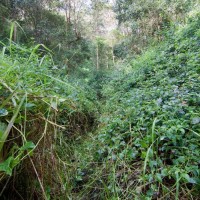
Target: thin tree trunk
[(107, 61), (97, 64), (113, 56), (70, 7)]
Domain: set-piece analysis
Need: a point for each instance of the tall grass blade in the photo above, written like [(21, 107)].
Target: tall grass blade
[(3, 51), (35, 49), (153, 132), (10, 125), (11, 36), (177, 186)]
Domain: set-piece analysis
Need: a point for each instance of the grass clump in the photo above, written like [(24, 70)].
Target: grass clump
[(37, 106)]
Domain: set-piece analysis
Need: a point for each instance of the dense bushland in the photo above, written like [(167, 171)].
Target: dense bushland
[(147, 143), (78, 121), (37, 106), (61, 26), (145, 22)]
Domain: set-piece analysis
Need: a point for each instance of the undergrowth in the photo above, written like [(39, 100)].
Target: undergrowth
[(36, 107), (147, 145)]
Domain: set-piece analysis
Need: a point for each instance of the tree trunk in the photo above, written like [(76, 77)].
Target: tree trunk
[(97, 64), (107, 62), (113, 56)]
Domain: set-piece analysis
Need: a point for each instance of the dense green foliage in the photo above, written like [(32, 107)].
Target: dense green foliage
[(37, 23), (145, 21), (147, 144), (40, 105), (82, 117)]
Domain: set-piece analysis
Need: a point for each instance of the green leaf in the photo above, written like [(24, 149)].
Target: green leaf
[(30, 105), (3, 127), (54, 105), (159, 177), (196, 120), (187, 177), (6, 166), (164, 172), (3, 112), (162, 138), (28, 145)]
